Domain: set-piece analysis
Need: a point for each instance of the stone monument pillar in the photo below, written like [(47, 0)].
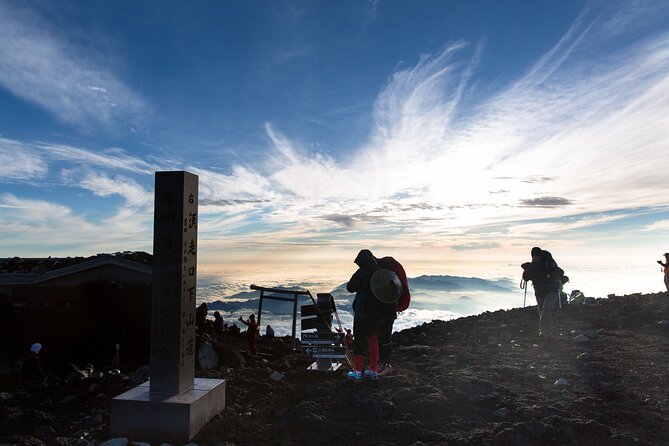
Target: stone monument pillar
[(172, 406)]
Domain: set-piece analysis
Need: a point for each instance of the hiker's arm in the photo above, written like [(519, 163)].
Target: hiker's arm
[(527, 271), (356, 281)]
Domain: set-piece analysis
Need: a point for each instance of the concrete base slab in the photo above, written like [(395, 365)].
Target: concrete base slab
[(142, 416)]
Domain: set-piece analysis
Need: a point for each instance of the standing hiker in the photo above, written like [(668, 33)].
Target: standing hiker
[(219, 326), (666, 269), (385, 334), (30, 368), (370, 316), (251, 332), (545, 275), (201, 318)]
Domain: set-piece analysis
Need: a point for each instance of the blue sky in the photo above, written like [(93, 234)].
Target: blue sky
[(448, 134)]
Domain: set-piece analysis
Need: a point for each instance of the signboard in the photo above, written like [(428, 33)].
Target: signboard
[(325, 351), (322, 338), (309, 310)]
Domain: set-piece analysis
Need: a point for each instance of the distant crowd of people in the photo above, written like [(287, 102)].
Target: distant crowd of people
[(218, 327)]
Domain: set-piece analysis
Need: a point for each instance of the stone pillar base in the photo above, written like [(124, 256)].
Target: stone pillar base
[(142, 416)]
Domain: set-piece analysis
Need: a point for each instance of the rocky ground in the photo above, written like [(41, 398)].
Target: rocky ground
[(472, 381)]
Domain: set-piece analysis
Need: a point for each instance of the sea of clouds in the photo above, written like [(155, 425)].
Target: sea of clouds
[(433, 297)]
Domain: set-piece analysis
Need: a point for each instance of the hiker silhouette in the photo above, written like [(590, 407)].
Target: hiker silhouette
[(545, 275), (665, 266)]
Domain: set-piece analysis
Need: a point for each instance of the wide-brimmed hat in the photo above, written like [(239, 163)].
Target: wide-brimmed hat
[(386, 286)]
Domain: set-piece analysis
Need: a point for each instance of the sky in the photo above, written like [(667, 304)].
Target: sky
[(451, 135)]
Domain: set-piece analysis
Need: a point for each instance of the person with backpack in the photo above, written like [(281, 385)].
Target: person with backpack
[(666, 269), (545, 275), (386, 331), (370, 316)]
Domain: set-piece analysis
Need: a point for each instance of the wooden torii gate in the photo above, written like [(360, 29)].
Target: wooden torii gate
[(282, 295)]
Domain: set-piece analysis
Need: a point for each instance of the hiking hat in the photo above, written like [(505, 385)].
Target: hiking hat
[(36, 347), (386, 286), (666, 254), (536, 251)]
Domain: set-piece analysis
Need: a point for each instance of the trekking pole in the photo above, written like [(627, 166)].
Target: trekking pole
[(523, 286)]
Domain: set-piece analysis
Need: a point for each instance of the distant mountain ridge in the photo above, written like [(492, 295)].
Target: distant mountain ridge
[(458, 283)]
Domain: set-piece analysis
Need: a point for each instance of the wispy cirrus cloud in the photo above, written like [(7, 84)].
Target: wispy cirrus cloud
[(40, 65), (20, 162), (104, 185), (564, 129)]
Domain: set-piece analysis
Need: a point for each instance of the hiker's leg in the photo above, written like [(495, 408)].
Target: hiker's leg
[(540, 303), (547, 312), (373, 352), (359, 342), (252, 345), (666, 281), (357, 362), (385, 344)]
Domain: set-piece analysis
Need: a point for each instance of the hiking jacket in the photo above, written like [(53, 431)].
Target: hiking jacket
[(365, 305), (545, 274)]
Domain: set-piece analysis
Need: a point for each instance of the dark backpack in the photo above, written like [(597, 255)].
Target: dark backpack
[(546, 272), (395, 266)]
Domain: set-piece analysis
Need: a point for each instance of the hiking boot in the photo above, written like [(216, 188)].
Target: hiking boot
[(355, 376), (371, 374), (384, 369)]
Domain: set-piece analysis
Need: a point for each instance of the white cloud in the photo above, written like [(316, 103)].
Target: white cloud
[(103, 185), (20, 162), (55, 229), (114, 158), (584, 127), (39, 64), (594, 124), (662, 225)]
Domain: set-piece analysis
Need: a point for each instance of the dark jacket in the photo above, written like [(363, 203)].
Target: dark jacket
[(365, 305), (544, 273), (31, 369)]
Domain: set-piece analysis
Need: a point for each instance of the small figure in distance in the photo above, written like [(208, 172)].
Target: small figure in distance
[(251, 332), (219, 326), (30, 366), (545, 275), (269, 332), (665, 265), (348, 339)]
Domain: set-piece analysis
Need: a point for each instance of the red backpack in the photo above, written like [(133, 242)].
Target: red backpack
[(396, 267)]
